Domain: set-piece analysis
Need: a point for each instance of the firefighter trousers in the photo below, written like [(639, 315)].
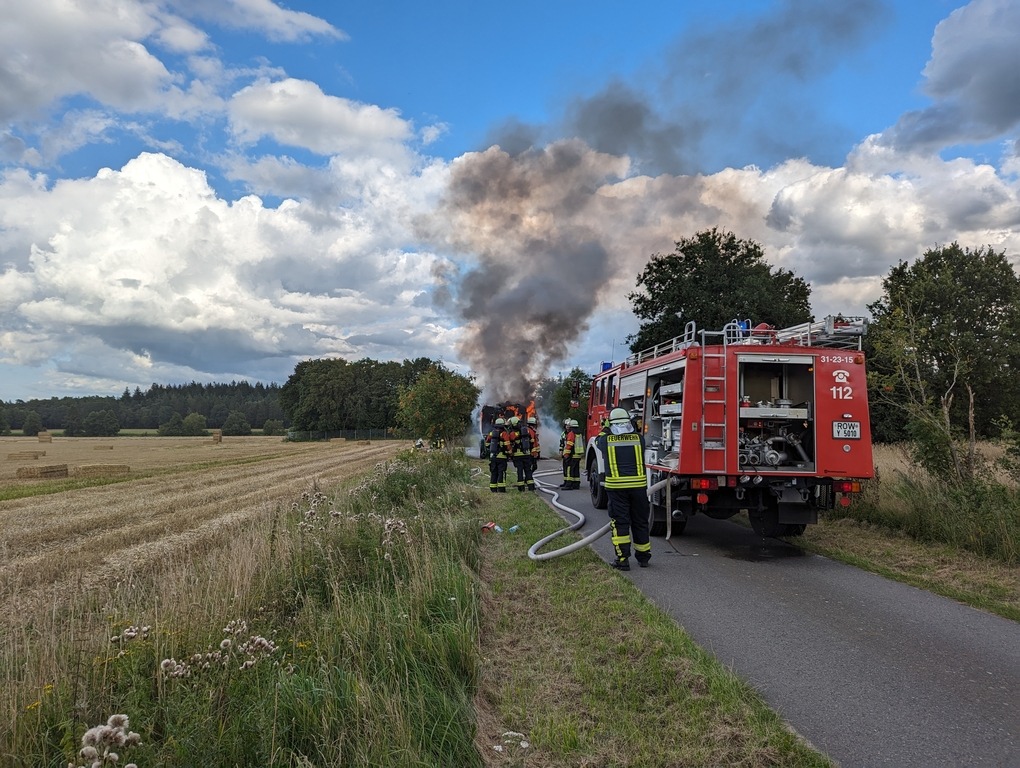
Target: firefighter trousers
[(628, 513), (497, 475), (524, 467)]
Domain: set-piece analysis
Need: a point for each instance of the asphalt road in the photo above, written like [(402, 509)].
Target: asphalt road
[(870, 671)]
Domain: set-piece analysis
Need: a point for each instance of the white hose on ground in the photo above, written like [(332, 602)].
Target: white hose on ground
[(533, 552)]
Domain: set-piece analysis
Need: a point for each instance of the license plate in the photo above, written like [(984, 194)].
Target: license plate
[(846, 430)]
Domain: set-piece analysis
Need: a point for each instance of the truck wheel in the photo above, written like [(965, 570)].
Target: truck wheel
[(657, 525), (794, 529), (599, 499)]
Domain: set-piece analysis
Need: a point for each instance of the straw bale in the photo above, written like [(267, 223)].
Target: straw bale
[(102, 447), (21, 455), (50, 470), (45, 437)]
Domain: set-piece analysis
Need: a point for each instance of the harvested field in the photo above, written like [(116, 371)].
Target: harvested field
[(194, 496)]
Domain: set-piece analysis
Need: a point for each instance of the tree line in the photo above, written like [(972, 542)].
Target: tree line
[(102, 416), (416, 398)]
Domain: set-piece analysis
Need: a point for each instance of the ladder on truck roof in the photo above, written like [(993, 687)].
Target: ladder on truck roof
[(833, 332)]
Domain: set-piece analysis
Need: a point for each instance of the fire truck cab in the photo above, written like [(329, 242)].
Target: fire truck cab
[(771, 422)]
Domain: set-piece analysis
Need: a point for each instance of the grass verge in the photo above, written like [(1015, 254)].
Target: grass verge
[(981, 582), (584, 670)]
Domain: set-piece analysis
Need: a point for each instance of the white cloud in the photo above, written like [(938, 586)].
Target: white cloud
[(148, 261), (51, 49), (297, 113), (263, 16)]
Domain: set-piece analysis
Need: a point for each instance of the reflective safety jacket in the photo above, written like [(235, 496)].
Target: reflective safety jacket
[(570, 437), (579, 446), (623, 458), (536, 451)]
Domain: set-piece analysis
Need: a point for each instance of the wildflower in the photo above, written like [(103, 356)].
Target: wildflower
[(98, 742)]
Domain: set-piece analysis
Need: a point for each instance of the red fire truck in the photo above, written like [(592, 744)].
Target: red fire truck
[(774, 422)]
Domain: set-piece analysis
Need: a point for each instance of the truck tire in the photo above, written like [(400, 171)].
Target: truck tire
[(599, 498)]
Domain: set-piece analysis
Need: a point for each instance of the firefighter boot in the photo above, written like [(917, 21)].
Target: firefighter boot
[(621, 564)]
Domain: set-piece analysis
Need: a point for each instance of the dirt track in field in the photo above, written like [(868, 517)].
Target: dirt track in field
[(93, 533)]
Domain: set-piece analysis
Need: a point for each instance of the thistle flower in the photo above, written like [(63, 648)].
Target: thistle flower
[(99, 741)]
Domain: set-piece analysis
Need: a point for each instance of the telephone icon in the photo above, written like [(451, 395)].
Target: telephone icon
[(841, 377)]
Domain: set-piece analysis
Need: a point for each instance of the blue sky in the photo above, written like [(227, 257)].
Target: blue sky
[(194, 191)]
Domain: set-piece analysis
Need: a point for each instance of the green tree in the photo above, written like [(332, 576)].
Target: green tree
[(713, 278), (73, 426), (236, 424), (5, 426), (173, 427), (334, 395), (32, 425), (194, 425), (944, 350), (100, 424), (438, 405), (273, 428)]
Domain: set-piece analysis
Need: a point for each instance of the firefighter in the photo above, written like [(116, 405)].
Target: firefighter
[(536, 452), (573, 450), (497, 457), (565, 460), (520, 451), (578, 454), (622, 452), (567, 454)]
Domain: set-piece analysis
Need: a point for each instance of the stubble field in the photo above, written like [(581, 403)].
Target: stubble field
[(181, 495)]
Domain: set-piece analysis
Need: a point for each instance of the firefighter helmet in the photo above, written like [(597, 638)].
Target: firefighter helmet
[(574, 424), (532, 420), (618, 414), (499, 422), (514, 421)]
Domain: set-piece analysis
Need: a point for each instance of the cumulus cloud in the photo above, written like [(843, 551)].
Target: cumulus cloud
[(971, 78), (297, 113), (51, 49), (148, 261)]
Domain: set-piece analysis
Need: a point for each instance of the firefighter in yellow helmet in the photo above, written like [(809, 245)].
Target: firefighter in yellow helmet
[(579, 450), (622, 450), (570, 438), (497, 457), (520, 450)]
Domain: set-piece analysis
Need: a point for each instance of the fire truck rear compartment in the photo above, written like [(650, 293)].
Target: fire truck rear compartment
[(775, 418)]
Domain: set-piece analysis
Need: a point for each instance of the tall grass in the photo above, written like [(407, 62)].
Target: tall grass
[(980, 516), (339, 630)]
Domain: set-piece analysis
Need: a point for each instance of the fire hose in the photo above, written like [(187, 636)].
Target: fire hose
[(533, 552), (579, 523)]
